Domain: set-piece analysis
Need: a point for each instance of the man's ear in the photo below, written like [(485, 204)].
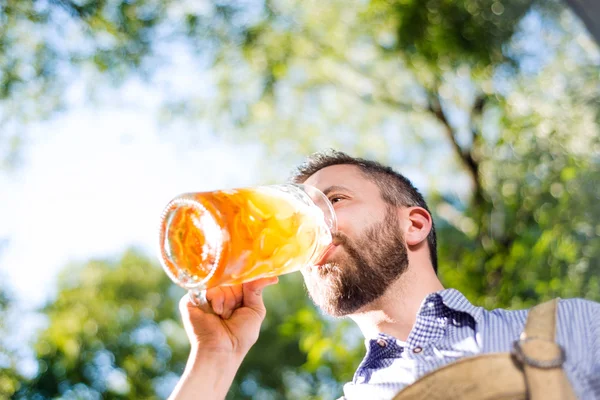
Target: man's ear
[(417, 225)]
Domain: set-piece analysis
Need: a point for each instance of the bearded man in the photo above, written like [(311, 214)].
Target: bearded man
[(381, 272)]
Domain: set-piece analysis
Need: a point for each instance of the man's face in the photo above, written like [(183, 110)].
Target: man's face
[(369, 252)]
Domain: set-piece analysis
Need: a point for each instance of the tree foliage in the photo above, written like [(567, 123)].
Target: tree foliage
[(114, 333), (9, 377), (111, 333)]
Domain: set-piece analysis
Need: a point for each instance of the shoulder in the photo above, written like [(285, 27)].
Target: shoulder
[(575, 305), (578, 324), (578, 332), (579, 313), (568, 309), (508, 315), (579, 304)]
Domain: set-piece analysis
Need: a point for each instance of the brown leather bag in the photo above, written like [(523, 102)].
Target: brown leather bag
[(533, 371)]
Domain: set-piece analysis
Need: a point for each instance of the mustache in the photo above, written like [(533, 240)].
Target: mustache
[(351, 246), (340, 238)]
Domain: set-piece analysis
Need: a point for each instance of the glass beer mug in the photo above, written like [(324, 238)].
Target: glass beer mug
[(228, 237)]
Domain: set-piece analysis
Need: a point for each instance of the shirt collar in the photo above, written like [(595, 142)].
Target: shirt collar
[(456, 301), (450, 298)]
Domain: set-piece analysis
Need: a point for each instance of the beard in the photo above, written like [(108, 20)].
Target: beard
[(363, 272)]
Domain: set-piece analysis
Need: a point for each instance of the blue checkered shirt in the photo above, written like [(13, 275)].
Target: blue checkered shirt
[(449, 327)]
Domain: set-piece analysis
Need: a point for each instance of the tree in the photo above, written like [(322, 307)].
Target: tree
[(536, 240), (114, 333), (44, 46), (9, 376), (111, 333), (589, 12)]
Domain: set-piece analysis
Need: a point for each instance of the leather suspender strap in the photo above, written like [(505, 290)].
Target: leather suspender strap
[(542, 357), (490, 376), (533, 372)]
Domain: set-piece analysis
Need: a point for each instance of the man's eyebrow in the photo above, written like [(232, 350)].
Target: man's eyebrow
[(336, 188)]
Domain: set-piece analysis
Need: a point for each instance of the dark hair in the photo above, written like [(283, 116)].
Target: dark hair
[(395, 188)]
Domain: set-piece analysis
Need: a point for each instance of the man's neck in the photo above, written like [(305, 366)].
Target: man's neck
[(395, 312)]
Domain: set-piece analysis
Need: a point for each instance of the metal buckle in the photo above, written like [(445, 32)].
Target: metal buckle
[(543, 364)]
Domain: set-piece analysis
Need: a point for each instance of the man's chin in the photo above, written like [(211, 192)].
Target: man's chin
[(333, 309)]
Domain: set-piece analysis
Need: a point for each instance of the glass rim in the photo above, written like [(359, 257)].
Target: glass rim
[(188, 282), (332, 225)]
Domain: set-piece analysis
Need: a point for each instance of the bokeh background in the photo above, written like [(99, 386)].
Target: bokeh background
[(110, 108)]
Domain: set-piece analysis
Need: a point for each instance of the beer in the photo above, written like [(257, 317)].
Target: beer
[(228, 237)]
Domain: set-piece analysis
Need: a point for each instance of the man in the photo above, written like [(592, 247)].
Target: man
[(381, 272)]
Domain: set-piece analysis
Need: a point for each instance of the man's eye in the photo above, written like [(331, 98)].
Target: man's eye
[(335, 199)]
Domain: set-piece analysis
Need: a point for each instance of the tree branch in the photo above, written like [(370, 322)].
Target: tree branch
[(589, 12), (477, 111), (378, 95), (465, 156)]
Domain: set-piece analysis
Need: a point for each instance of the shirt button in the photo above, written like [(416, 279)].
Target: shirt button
[(381, 343), (417, 350), (430, 304)]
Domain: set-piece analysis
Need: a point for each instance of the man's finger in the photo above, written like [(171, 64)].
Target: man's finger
[(198, 300), (229, 302), (216, 297), (253, 294), (238, 291)]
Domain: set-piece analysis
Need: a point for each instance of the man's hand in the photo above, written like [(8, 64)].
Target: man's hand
[(231, 320), (220, 332)]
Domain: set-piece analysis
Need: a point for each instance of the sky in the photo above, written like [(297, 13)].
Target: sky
[(94, 181)]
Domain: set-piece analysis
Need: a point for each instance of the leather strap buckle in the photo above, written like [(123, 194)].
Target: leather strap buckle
[(541, 344)]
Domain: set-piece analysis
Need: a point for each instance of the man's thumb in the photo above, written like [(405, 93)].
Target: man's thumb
[(253, 293)]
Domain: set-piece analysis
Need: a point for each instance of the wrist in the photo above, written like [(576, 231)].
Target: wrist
[(201, 356), (209, 373)]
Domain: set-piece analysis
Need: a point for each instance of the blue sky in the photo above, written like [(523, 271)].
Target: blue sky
[(94, 181)]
